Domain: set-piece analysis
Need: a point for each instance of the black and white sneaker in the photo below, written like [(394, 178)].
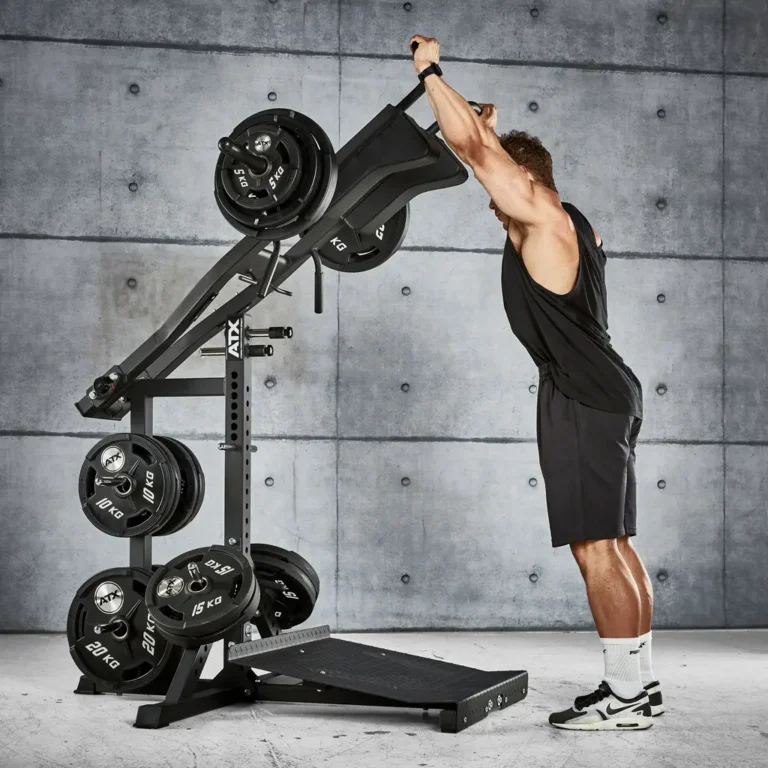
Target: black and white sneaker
[(654, 695), (603, 710)]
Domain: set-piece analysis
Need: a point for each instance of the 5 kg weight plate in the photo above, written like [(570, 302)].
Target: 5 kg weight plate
[(351, 251), (112, 637), (297, 183), (129, 485), (201, 595), (192, 486), (291, 582)]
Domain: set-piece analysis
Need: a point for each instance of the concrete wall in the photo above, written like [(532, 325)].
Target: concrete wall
[(338, 435)]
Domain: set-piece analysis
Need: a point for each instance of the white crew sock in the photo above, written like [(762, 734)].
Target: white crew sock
[(622, 666), (646, 670)]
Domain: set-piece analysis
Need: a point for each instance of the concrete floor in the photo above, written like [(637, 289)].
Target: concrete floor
[(715, 686)]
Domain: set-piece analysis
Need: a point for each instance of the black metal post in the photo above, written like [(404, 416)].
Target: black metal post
[(237, 445)]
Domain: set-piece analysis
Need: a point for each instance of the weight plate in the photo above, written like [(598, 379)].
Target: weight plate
[(351, 251), (112, 638), (129, 485), (256, 192), (192, 486), (289, 585), (199, 596), (296, 189), (291, 557)]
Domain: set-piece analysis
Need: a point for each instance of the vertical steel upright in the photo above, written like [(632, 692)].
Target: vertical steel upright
[(237, 447)]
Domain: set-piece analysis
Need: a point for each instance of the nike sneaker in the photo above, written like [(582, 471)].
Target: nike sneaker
[(654, 695), (603, 710)]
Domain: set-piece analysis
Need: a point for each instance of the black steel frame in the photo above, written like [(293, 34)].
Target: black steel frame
[(390, 161)]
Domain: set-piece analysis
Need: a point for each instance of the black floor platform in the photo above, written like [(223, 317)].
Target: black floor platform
[(329, 670)]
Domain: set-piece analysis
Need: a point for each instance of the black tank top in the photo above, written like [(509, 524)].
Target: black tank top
[(568, 334)]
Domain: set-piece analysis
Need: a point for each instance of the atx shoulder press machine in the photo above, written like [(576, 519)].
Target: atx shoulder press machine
[(277, 177)]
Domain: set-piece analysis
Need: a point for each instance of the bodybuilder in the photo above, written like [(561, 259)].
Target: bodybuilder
[(589, 401)]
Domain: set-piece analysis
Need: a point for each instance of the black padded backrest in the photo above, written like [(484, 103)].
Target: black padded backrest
[(409, 160)]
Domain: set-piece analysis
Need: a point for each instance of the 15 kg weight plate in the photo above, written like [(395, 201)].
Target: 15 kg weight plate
[(351, 251), (112, 637), (129, 485), (298, 181), (290, 581), (192, 486), (200, 596)]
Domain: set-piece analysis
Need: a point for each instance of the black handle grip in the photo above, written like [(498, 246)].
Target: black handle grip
[(476, 107), (269, 273), (414, 46), (318, 282)]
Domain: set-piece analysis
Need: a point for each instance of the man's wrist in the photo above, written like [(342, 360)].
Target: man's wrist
[(431, 69)]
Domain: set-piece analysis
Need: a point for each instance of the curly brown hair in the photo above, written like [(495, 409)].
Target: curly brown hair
[(528, 150)]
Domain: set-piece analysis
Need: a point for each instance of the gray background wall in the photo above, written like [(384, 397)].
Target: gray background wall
[(337, 434)]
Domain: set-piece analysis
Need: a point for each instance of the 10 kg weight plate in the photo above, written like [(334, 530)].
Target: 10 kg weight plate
[(112, 637), (129, 485), (201, 595), (291, 582), (352, 251), (192, 486)]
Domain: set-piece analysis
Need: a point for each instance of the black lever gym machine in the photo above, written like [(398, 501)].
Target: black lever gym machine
[(278, 177)]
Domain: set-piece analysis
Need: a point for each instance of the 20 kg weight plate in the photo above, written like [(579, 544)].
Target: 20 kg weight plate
[(192, 486), (296, 186), (351, 251), (290, 581), (201, 595), (129, 485), (112, 637)]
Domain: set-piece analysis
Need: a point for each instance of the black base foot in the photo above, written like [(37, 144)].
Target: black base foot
[(164, 713)]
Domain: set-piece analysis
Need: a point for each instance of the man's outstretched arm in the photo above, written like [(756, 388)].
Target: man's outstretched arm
[(473, 138)]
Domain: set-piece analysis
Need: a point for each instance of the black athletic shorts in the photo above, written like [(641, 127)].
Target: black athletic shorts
[(587, 460)]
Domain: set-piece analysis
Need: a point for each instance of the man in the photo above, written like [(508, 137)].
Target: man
[(589, 401)]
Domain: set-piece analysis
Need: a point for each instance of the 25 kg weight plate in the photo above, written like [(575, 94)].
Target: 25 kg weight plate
[(129, 485), (351, 251), (192, 486), (290, 581), (112, 637), (201, 595), (298, 182)]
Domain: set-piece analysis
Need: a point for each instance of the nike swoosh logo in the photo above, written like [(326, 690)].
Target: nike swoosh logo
[(610, 711)]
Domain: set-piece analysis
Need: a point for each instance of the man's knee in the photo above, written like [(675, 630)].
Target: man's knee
[(586, 552)]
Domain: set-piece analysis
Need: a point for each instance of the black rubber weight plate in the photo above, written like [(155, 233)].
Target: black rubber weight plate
[(148, 491), (293, 594), (289, 556), (192, 486), (352, 251), (129, 655), (310, 197), (199, 596)]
